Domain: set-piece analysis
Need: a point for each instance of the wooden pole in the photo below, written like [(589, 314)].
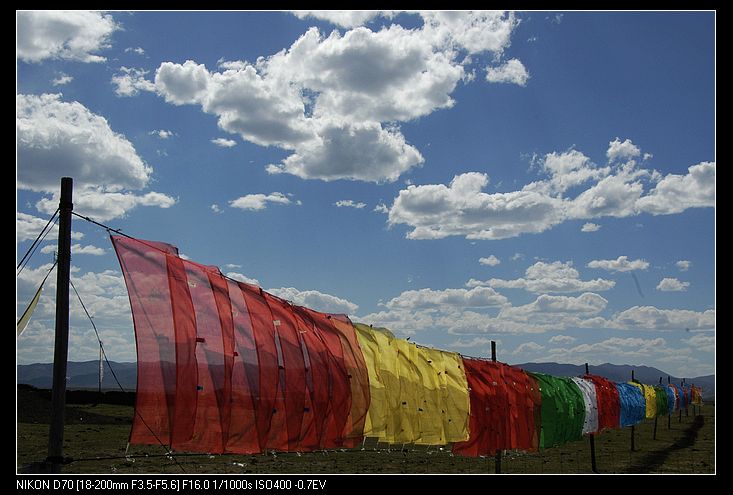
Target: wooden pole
[(592, 439), (497, 457), (633, 428), (61, 345), (687, 404)]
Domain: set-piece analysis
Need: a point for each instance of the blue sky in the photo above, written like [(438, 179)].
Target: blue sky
[(457, 178)]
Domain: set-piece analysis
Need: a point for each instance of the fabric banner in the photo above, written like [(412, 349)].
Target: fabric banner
[(223, 366), (662, 401), (633, 405), (609, 407), (590, 400), (505, 405), (563, 410)]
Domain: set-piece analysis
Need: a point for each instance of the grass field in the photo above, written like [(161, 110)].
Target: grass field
[(96, 437)]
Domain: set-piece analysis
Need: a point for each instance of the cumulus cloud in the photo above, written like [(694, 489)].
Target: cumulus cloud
[(343, 18), (256, 202), (470, 344), (137, 50), (162, 133), (129, 81), (224, 143), (527, 348), (622, 150), (701, 342), (242, 278), (61, 79), (490, 260), (215, 208), (683, 265), (620, 264), (586, 304), (461, 208), (562, 339), (548, 277), (512, 71), (676, 193), (77, 249), (460, 298), (435, 211), (652, 318), (349, 203), (335, 100), (67, 35), (57, 138), (27, 227), (669, 284), (590, 227), (316, 300)]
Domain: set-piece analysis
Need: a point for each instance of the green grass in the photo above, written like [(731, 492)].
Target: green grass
[(96, 438)]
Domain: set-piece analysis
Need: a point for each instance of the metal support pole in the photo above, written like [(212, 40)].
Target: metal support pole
[(61, 346)]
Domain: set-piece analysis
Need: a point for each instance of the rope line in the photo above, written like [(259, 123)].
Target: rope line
[(114, 375), (32, 249)]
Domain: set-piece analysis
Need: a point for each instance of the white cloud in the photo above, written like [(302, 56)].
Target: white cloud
[(620, 264), (548, 277), (566, 170), (701, 342), (562, 339), (490, 261), (517, 257), (676, 193), (76, 249), (590, 227), (472, 323), (335, 101), (683, 265), (615, 346), (512, 71), (618, 150), (461, 208), (27, 227), (232, 265), (57, 138), (138, 50), (61, 79), (67, 35), (381, 208), (349, 203), (652, 318), (356, 151), (316, 300), (668, 284), (215, 208), (401, 322), (242, 278), (129, 81), (527, 348), (224, 143), (256, 202), (477, 297), (343, 18), (162, 133), (586, 304), (470, 344)]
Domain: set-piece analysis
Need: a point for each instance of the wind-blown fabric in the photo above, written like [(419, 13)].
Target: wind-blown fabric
[(223, 366), (563, 410), (671, 399), (609, 407), (505, 405), (226, 367), (633, 405), (696, 393), (662, 400), (590, 400)]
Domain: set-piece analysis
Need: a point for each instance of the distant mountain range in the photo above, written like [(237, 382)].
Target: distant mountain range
[(85, 375)]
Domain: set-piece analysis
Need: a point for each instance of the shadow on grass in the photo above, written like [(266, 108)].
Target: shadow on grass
[(654, 460)]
